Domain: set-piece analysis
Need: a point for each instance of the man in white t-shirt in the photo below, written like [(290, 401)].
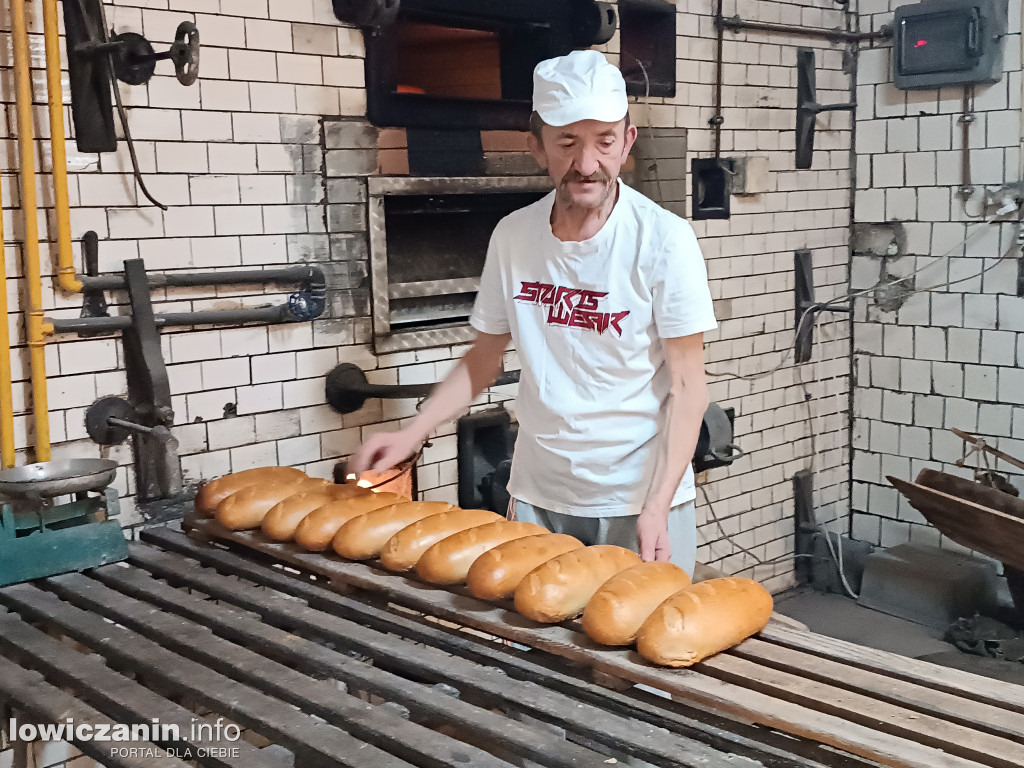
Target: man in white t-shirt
[(605, 295)]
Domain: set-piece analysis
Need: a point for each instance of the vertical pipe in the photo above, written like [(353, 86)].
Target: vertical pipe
[(36, 327), (55, 101), (717, 119), (6, 386)]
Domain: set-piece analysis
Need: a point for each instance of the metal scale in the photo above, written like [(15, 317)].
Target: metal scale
[(39, 538)]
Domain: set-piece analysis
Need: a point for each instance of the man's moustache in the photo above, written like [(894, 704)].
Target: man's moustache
[(577, 177)]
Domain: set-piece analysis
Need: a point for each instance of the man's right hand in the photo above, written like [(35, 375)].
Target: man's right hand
[(384, 450)]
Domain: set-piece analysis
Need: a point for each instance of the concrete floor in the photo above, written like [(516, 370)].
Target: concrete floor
[(841, 617)]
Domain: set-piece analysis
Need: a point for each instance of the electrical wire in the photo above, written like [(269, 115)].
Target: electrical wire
[(837, 553), (104, 35), (820, 306)]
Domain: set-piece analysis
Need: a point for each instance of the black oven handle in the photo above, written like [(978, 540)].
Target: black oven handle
[(347, 388)]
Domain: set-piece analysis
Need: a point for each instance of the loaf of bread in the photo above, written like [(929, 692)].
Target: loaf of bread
[(364, 537), (246, 508), (497, 572), (211, 494), (284, 517), (560, 588), (404, 549), (449, 560), (704, 619), (617, 610), (317, 529)]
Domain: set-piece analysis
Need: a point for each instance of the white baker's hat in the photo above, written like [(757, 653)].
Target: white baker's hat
[(582, 85)]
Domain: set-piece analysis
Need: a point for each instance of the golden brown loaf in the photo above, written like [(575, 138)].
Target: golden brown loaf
[(615, 613), (561, 587), (497, 572), (701, 620), (318, 527), (214, 492), (284, 517), (449, 560), (365, 536), (404, 549), (246, 508)]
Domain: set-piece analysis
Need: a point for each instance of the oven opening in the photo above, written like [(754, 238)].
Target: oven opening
[(435, 60), (427, 249)]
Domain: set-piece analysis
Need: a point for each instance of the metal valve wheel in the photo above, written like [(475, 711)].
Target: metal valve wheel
[(185, 53)]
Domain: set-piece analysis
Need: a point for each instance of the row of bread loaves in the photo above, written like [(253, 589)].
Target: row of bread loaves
[(551, 577)]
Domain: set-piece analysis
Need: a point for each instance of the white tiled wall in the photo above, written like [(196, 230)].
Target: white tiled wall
[(949, 356), (239, 160)]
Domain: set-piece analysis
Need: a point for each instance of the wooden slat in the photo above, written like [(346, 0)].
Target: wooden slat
[(774, 750), (995, 693), (920, 728), (119, 697), (29, 693), (720, 696), (976, 527), (420, 663), (245, 705), (264, 668), (972, 714)]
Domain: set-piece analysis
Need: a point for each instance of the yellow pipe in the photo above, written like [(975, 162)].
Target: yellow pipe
[(36, 327), (6, 394), (55, 98)]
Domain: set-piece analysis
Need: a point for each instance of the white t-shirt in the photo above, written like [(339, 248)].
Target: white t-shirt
[(587, 319)]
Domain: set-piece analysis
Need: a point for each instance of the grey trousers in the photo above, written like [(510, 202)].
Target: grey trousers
[(620, 531)]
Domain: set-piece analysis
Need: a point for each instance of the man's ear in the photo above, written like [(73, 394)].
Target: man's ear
[(537, 150), (630, 139)]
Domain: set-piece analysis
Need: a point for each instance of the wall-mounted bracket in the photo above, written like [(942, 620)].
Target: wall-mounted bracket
[(808, 108), (803, 266)]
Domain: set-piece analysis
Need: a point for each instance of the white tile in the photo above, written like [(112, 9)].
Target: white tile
[(206, 126), (268, 35), (948, 379), (260, 397), (964, 345), (981, 382), (301, 68), (299, 450), (88, 356), (998, 347), (887, 170), (252, 456), (920, 168), (1011, 385), (252, 66), (214, 190), (936, 132), (231, 433), (278, 367), (901, 135), (256, 128)]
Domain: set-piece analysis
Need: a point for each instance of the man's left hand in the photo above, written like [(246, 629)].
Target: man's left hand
[(652, 535)]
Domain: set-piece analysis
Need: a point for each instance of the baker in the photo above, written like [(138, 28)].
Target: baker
[(605, 296)]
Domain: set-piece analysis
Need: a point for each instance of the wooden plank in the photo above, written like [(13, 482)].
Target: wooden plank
[(740, 702), (950, 737), (480, 684), (771, 748), (119, 697), (972, 714), (976, 527), (29, 693), (251, 708), (962, 684), (269, 667)]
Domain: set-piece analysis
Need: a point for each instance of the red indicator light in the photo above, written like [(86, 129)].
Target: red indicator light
[(920, 43)]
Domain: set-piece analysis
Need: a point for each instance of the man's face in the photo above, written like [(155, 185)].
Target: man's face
[(583, 159)]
